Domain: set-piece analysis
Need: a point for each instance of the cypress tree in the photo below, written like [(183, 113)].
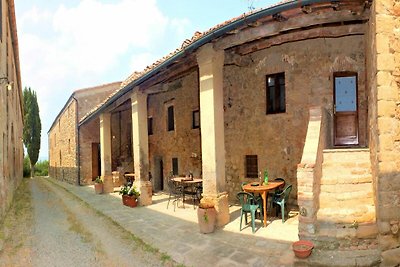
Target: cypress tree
[(32, 127)]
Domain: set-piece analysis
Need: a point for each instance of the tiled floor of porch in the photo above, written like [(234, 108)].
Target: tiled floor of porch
[(176, 232)]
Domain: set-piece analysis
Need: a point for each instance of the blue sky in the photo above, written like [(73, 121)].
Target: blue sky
[(67, 45)]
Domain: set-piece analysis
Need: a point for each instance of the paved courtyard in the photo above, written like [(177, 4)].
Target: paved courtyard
[(176, 232)]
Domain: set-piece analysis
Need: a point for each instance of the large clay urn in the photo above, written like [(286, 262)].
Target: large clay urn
[(206, 216)]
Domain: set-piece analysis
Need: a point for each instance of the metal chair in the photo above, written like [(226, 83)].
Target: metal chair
[(281, 199), (249, 205), (175, 191)]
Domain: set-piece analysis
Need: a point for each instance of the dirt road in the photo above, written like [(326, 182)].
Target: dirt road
[(57, 229)]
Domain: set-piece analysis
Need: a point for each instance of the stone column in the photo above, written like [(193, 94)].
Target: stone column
[(211, 64), (385, 86), (105, 151), (140, 144)]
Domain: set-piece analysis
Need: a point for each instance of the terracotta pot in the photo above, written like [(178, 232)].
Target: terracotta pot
[(130, 201), (206, 219), (98, 188), (302, 249)]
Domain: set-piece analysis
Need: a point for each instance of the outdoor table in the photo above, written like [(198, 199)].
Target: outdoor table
[(262, 190), (185, 182)]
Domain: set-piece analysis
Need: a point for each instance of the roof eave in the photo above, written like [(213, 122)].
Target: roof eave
[(202, 41)]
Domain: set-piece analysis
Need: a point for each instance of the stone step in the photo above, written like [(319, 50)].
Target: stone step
[(337, 258), (349, 214), (331, 179), (346, 155)]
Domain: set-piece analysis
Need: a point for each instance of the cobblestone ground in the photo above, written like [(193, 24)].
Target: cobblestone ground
[(47, 226)]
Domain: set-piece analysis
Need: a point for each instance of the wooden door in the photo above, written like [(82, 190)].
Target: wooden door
[(95, 160), (345, 109)]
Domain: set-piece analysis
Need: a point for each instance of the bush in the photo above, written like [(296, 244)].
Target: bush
[(42, 168), (27, 167)]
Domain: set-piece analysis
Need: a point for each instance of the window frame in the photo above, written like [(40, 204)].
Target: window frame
[(194, 124), (250, 165), (170, 118), (275, 106), (150, 126)]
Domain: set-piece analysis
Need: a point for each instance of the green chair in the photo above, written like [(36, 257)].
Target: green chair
[(249, 205), (281, 199)]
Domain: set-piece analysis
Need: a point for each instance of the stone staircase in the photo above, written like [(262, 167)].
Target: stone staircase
[(346, 195)]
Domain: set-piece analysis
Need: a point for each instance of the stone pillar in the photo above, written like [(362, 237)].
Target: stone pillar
[(140, 144), (105, 152), (211, 65), (385, 88)]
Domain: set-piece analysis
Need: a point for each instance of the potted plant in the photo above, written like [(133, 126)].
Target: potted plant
[(206, 215), (98, 185), (129, 195)]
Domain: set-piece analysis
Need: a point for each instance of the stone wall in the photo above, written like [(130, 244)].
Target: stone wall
[(182, 143), (89, 136), (63, 135), (63, 146), (385, 66), (90, 97), (278, 139), (11, 125), (121, 143)]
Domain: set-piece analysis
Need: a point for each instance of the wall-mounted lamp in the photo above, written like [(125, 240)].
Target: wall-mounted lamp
[(9, 84)]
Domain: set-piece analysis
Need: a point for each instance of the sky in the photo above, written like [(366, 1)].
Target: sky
[(66, 45)]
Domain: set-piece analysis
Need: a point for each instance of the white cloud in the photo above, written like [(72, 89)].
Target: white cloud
[(91, 43)]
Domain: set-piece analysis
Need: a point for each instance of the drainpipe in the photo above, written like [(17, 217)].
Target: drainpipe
[(78, 161)]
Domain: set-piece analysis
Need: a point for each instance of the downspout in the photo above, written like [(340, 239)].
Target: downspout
[(78, 152)]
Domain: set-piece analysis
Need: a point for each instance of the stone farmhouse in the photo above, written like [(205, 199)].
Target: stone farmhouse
[(11, 107), (72, 146), (306, 89)]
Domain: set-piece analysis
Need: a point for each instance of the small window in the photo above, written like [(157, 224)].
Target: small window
[(276, 102), (196, 119), (150, 126), (251, 166), (175, 166), (60, 159), (171, 122)]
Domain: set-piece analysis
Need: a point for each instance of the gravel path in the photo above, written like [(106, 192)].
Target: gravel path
[(66, 232)]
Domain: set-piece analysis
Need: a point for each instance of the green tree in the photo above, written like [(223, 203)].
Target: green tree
[(32, 127)]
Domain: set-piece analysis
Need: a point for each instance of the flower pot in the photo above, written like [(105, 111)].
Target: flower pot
[(130, 201), (302, 249), (98, 188), (206, 218)]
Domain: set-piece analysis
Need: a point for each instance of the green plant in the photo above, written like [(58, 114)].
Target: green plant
[(98, 180), (128, 190), (42, 168), (27, 167)]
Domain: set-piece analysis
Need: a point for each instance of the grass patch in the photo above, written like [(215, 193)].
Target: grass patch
[(16, 226)]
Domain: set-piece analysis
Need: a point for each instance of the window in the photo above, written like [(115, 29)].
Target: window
[(196, 119), (175, 169), (150, 126), (251, 166), (276, 102), (171, 122)]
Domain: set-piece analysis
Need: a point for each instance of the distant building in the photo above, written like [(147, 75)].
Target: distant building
[(71, 146), (308, 90), (11, 107)]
